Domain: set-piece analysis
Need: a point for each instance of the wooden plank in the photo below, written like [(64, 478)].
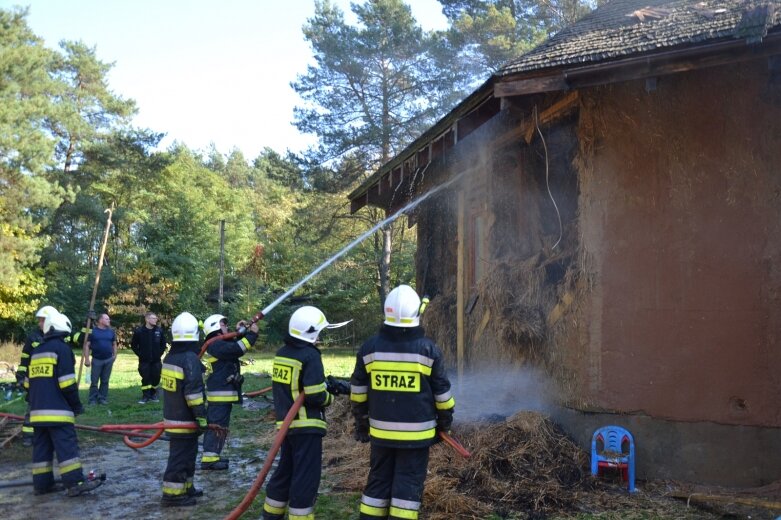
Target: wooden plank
[(460, 283), (521, 87), (553, 112)]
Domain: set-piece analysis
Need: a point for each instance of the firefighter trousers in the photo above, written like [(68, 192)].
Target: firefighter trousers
[(394, 488), (150, 376), (293, 486), (219, 414), (62, 440), (178, 476)]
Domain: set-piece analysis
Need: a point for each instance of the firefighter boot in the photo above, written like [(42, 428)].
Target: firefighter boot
[(178, 501), (217, 465), (54, 488), (85, 486)]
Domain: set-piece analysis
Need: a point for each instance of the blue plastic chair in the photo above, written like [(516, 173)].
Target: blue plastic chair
[(614, 447)]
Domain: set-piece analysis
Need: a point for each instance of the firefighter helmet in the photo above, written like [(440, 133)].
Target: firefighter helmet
[(56, 322), (185, 327), (402, 307), (45, 311), (212, 323), (306, 323)]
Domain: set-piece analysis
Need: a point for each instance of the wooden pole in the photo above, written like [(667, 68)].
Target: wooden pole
[(95, 290), (222, 262), (460, 282)]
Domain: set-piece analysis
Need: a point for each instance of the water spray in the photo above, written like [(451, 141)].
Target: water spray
[(260, 315)]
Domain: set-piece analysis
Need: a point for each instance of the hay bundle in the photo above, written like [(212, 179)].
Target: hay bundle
[(506, 323), (523, 464)]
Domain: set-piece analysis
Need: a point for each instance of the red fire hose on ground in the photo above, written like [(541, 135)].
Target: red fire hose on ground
[(257, 392), (258, 483), (119, 431), (134, 429)]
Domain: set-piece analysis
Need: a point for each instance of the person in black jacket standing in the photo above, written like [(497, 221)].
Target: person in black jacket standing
[(183, 404), (54, 405), (400, 397), (148, 343), (223, 386), (298, 367)]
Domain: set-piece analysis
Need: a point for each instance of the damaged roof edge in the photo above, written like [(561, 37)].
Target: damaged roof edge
[(469, 103)]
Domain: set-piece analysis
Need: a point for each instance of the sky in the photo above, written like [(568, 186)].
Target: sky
[(202, 71)]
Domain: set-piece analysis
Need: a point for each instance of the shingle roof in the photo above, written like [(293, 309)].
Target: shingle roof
[(630, 27)]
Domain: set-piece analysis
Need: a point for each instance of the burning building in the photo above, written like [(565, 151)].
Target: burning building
[(617, 209)]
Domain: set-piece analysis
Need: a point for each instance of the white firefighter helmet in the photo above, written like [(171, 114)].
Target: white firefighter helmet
[(306, 323), (185, 328), (402, 307), (45, 311), (56, 322), (212, 323)]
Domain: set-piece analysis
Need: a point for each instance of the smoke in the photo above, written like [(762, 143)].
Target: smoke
[(494, 393)]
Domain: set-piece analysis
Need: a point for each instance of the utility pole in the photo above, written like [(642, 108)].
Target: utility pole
[(222, 262)]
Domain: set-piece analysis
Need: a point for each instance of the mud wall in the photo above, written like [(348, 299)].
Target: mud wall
[(680, 216)]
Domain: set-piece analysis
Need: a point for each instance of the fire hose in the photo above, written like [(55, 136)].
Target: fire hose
[(88, 428), (258, 483), (256, 393), (134, 430)]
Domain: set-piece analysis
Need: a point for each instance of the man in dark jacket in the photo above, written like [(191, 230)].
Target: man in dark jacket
[(223, 386), (299, 368), (182, 383), (148, 343), (401, 398), (54, 404)]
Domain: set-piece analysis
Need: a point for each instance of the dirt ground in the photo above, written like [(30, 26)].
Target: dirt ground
[(132, 488)]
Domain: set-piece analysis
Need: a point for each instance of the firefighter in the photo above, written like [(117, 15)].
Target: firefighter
[(54, 404), (298, 367), (400, 398), (30, 343), (148, 343), (183, 402), (223, 386)]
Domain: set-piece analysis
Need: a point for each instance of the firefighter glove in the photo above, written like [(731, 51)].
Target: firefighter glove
[(91, 315), (337, 386), (444, 420), (203, 425), (361, 433)]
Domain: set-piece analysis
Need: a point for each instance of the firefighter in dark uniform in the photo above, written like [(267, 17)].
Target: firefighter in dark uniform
[(54, 404), (148, 343), (298, 367), (400, 397), (183, 403), (30, 343), (223, 386)]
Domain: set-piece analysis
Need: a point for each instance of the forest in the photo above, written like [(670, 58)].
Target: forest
[(70, 157)]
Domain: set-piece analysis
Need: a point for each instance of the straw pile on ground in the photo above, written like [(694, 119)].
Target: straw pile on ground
[(521, 467)]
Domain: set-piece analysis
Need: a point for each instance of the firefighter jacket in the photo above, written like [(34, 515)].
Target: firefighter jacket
[(54, 394), (400, 382), (33, 340), (224, 383), (148, 344), (298, 367), (182, 381)]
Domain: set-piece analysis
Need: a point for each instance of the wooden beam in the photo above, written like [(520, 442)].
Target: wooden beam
[(553, 112), (521, 87), (460, 283)]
